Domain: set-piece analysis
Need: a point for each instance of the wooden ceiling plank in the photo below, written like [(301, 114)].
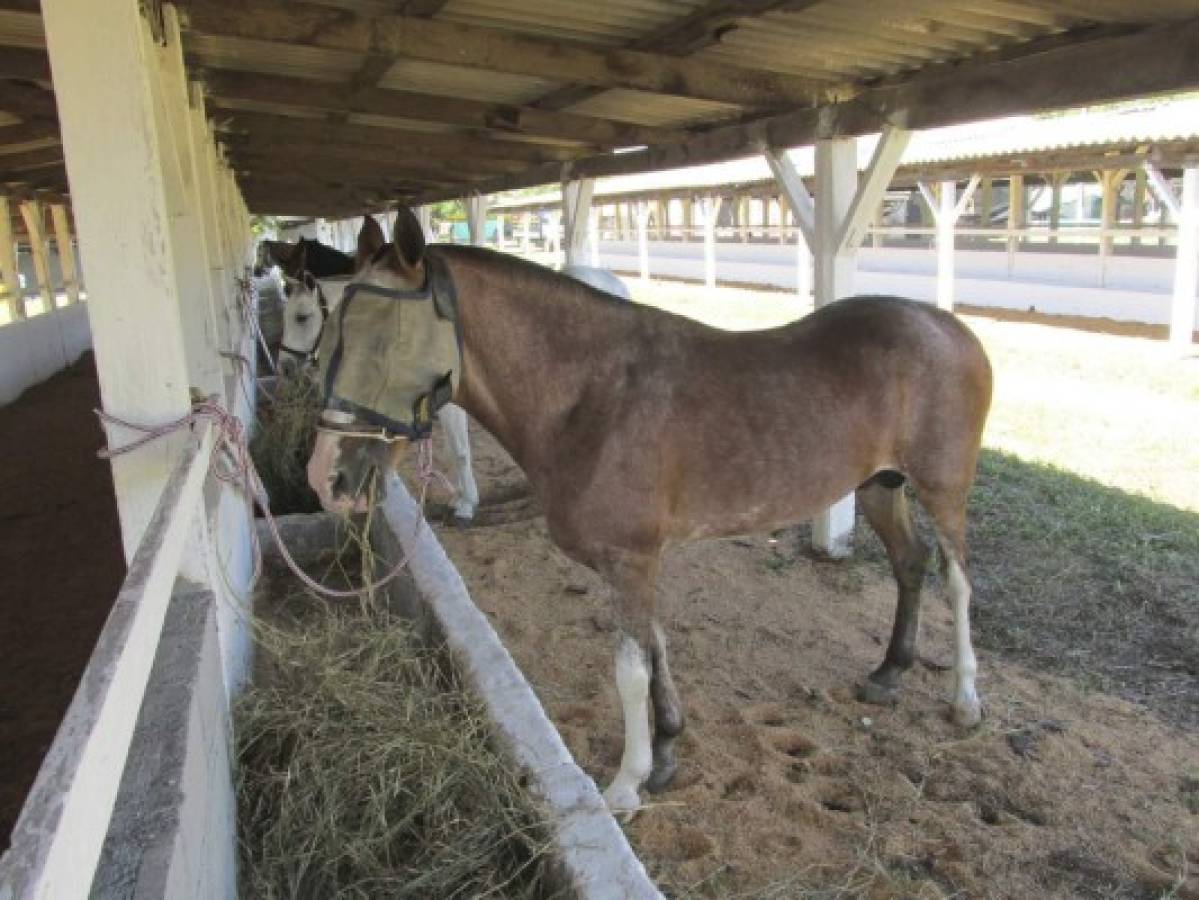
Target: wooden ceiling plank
[(494, 117), (492, 50)]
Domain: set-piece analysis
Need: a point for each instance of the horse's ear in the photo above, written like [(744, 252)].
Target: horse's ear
[(297, 262), (409, 237), (370, 238)]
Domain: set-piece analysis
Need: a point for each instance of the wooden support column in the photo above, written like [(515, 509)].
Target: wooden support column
[(1110, 183), (424, 215), (946, 211), (1057, 181), (1138, 205), (66, 252), (117, 164), (986, 202), (1185, 211), (476, 219), (34, 216), (593, 243), (8, 262), (711, 210), (576, 214), (1015, 220), (643, 209), (834, 227)]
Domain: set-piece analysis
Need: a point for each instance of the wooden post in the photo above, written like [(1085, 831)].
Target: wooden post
[(1186, 271), (946, 211), (986, 203), (66, 252), (576, 213), (711, 208), (526, 240), (594, 236), (643, 208), (688, 216), (1015, 220), (803, 267), (34, 217), (476, 219), (1138, 205), (8, 262), (1056, 181), (117, 168), (1110, 182)]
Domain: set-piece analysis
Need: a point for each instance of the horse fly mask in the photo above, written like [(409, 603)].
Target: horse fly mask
[(392, 358)]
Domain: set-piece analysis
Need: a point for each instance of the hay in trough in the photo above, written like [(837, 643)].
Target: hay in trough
[(365, 771), (283, 442)]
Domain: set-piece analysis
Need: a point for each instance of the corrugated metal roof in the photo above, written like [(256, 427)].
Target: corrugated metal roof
[(470, 84), (1151, 122)]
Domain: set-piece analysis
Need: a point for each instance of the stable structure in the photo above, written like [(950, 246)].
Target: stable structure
[(165, 126)]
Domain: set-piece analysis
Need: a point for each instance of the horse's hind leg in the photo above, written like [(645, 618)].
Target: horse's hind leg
[(668, 715), (948, 511), (886, 508), (454, 422)]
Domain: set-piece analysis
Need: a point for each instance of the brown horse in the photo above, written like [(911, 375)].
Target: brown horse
[(637, 428)]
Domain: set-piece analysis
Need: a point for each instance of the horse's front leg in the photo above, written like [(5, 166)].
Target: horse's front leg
[(462, 477), (641, 671)]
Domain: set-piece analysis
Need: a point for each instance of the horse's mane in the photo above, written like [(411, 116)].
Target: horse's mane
[(324, 261), (523, 270)]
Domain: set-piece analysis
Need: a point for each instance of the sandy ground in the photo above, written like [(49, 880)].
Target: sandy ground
[(788, 786)]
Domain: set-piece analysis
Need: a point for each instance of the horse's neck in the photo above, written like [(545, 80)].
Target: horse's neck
[(534, 345)]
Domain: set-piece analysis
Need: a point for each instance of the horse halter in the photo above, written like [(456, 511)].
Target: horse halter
[(303, 356)]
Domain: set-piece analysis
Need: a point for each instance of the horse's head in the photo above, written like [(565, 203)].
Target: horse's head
[(384, 365), (303, 319)]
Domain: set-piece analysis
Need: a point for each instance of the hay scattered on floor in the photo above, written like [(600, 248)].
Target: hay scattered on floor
[(365, 772), (283, 443)]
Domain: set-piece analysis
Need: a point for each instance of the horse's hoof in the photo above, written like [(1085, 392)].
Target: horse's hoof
[(966, 715), (878, 694), (661, 777), (622, 801)]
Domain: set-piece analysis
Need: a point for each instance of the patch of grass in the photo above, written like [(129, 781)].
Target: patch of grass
[(365, 771), (283, 443)]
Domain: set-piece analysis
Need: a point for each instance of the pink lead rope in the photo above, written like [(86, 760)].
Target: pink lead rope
[(231, 439)]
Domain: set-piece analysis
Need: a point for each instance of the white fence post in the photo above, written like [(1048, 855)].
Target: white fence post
[(1186, 273), (643, 209), (66, 251), (35, 227)]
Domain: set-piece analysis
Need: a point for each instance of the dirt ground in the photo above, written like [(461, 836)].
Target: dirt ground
[(789, 787), (61, 565)]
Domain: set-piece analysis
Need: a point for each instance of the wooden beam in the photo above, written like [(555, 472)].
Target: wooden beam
[(31, 159), (1148, 62), (66, 251), (451, 43), (798, 197), (522, 120), (25, 132), (701, 27), (8, 261), (869, 194), (35, 224), (384, 159), (25, 63), (293, 128), (27, 101)]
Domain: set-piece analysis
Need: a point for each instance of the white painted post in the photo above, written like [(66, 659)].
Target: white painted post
[(35, 217), (576, 206), (554, 242), (594, 236), (711, 207), (836, 185), (8, 262), (643, 209), (945, 228), (1186, 270), (66, 252), (946, 212), (116, 165), (424, 215), (803, 268), (1015, 220), (476, 219), (526, 240)]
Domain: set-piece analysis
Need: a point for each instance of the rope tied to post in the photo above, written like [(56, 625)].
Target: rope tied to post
[(232, 464)]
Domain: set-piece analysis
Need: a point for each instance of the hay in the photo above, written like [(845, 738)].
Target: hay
[(283, 443), (365, 771)]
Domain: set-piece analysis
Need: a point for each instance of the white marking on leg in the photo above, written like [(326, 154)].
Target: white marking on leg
[(632, 683), (466, 499), (967, 710)]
